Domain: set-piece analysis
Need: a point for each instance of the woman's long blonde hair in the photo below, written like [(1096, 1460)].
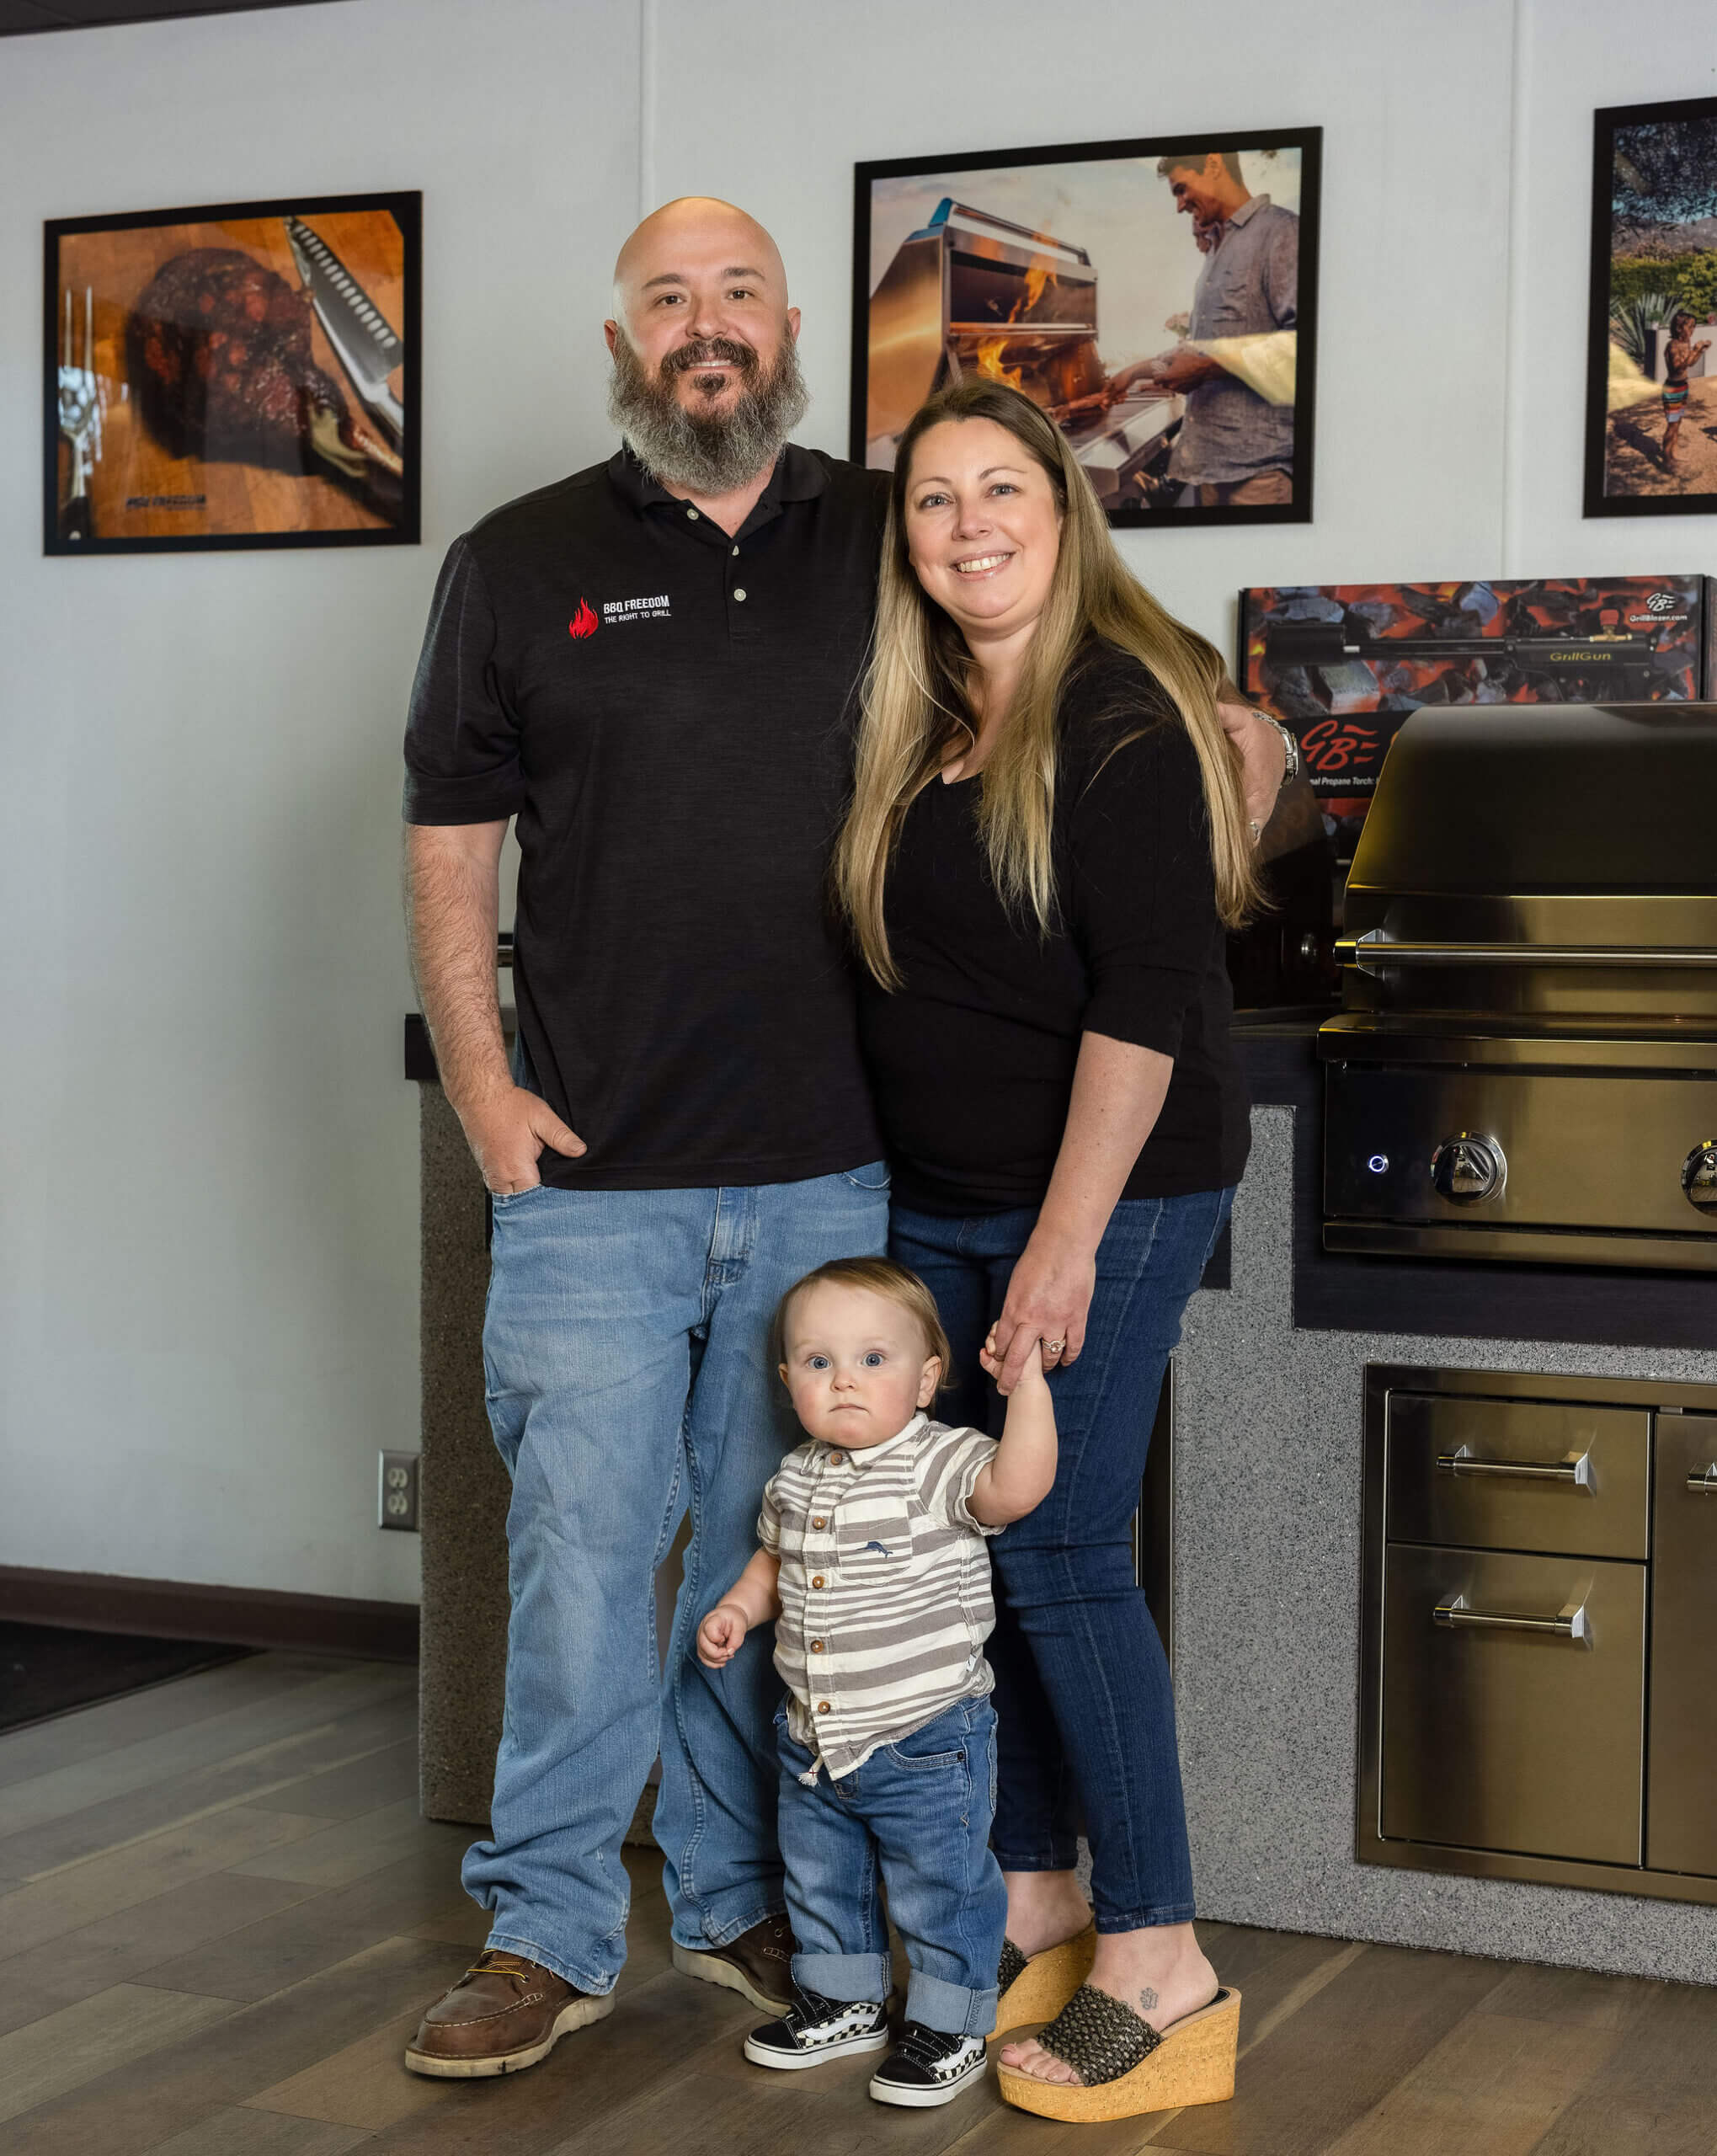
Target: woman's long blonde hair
[(917, 708)]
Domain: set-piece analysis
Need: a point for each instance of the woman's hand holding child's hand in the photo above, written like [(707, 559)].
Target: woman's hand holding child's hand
[(721, 1635), (1033, 1370)]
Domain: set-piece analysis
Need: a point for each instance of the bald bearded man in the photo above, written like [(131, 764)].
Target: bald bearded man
[(652, 666)]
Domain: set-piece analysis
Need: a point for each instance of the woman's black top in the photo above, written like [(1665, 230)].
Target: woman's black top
[(973, 1060)]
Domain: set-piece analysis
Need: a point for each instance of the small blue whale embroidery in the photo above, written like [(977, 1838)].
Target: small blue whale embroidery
[(887, 1552)]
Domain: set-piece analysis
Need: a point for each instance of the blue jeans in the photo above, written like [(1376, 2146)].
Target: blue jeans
[(1082, 1692), (917, 1812), (626, 1356)]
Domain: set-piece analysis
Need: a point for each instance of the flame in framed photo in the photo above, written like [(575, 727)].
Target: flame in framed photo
[(1158, 299)]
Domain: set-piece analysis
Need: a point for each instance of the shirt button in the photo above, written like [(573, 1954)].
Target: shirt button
[(835, 1458), (739, 594), (816, 1647), (692, 513), (736, 550), (820, 1521), (822, 1706), (817, 1580)]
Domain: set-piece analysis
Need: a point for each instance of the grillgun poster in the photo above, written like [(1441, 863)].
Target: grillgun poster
[(241, 375), (1157, 297), (1343, 664)]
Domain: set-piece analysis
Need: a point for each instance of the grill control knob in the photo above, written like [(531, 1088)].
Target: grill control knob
[(1699, 1176), (1467, 1168)]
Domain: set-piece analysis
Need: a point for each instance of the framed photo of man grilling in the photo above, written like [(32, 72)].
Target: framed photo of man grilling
[(1651, 366), (1158, 298), (240, 375)]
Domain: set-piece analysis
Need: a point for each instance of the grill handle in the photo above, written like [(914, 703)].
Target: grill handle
[(1570, 1622), (1575, 1471), (1374, 952)]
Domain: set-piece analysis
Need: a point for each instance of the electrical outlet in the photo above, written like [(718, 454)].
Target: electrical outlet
[(396, 1501)]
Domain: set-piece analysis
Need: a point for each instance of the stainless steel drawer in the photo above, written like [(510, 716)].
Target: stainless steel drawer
[(1681, 1824), (1513, 1702), (1518, 1474)]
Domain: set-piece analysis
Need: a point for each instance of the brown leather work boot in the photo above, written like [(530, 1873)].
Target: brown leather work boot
[(504, 2012), (758, 1964)]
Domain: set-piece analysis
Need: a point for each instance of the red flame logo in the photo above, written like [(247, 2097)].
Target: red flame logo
[(583, 623)]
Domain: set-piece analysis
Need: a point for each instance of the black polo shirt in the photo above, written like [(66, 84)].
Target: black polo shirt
[(667, 711)]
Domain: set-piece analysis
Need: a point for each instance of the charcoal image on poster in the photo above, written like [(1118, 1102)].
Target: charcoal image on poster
[(1157, 298), (1651, 367), (1343, 664), (241, 374)]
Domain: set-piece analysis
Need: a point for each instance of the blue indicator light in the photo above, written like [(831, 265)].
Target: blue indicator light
[(1378, 1164)]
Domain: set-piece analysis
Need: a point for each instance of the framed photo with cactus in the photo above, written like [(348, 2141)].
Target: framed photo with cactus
[(1651, 376)]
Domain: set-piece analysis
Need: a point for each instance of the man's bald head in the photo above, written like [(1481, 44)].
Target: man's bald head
[(707, 385), (692, 236)]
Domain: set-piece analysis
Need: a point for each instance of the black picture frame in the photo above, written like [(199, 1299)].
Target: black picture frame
[(1630, 442), (1307, 142), (397, 497)]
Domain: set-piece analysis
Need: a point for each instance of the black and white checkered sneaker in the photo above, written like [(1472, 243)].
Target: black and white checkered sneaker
[(928, 2067), (814, 2029)]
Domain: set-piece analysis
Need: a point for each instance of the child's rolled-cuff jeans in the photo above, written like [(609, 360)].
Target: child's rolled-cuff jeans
[(913, 1818)]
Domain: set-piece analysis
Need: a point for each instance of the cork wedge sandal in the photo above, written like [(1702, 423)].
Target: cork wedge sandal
[(1125, 2065), (1035, 1987)]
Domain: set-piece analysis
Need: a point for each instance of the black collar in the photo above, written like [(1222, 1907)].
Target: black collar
[(798, 477)]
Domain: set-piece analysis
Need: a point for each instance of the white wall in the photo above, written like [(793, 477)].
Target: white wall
[(208, 1169), (207, 1159)]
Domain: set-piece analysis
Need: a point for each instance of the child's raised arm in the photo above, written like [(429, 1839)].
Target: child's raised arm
[(753, 1599), (1019, 1477)]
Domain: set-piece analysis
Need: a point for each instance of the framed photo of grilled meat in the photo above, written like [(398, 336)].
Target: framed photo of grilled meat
[(1651, 364), (1158, 298), (243, 374)]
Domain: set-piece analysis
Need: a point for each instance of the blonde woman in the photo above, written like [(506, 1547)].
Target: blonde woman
[(1046, 840)]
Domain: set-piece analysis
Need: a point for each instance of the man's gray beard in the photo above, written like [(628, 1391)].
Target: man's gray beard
[(707, 453)]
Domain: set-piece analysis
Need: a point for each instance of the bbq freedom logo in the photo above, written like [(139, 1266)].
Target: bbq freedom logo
[(619, 613), (615, 612)]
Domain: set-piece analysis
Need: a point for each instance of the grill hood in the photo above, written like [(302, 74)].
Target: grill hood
[(1525, 1064)]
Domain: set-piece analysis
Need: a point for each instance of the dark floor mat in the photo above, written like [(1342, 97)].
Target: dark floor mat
[(46, 1669)]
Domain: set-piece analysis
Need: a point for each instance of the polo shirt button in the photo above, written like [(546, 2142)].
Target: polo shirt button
[(817, 1580), (739, 594), (822, 1706), (692, 513), (816, 1647), (835, 1458), (820, 1521)]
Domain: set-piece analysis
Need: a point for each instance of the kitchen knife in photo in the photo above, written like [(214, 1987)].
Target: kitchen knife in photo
[(366, 346)]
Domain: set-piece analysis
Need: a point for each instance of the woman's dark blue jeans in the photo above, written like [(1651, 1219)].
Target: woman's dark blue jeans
[(1086, 1714)]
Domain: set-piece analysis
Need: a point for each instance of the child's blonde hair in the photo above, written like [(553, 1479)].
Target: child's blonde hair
[(882, 1277)]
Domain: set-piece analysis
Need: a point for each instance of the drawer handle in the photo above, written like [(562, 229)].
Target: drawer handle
[(1570, 1623), (1576, 1468), (1705, 1481)]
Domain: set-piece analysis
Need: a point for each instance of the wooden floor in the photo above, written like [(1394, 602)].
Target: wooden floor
[(221, 1916)]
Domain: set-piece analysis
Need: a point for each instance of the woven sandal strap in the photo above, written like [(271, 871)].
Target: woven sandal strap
[(1013, 1965), (1099, 2038)]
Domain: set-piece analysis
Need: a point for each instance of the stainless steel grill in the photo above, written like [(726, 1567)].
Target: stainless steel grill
[(1525, 1064), (972, 295)]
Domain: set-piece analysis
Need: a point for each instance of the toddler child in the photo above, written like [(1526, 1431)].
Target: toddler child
[(874, 1569)]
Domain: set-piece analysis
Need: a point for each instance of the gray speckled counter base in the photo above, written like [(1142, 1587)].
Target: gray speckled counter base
[(464, 1489), (1267, 1471)]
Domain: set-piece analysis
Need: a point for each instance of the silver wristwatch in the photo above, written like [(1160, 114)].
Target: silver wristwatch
[(1291, 768)]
